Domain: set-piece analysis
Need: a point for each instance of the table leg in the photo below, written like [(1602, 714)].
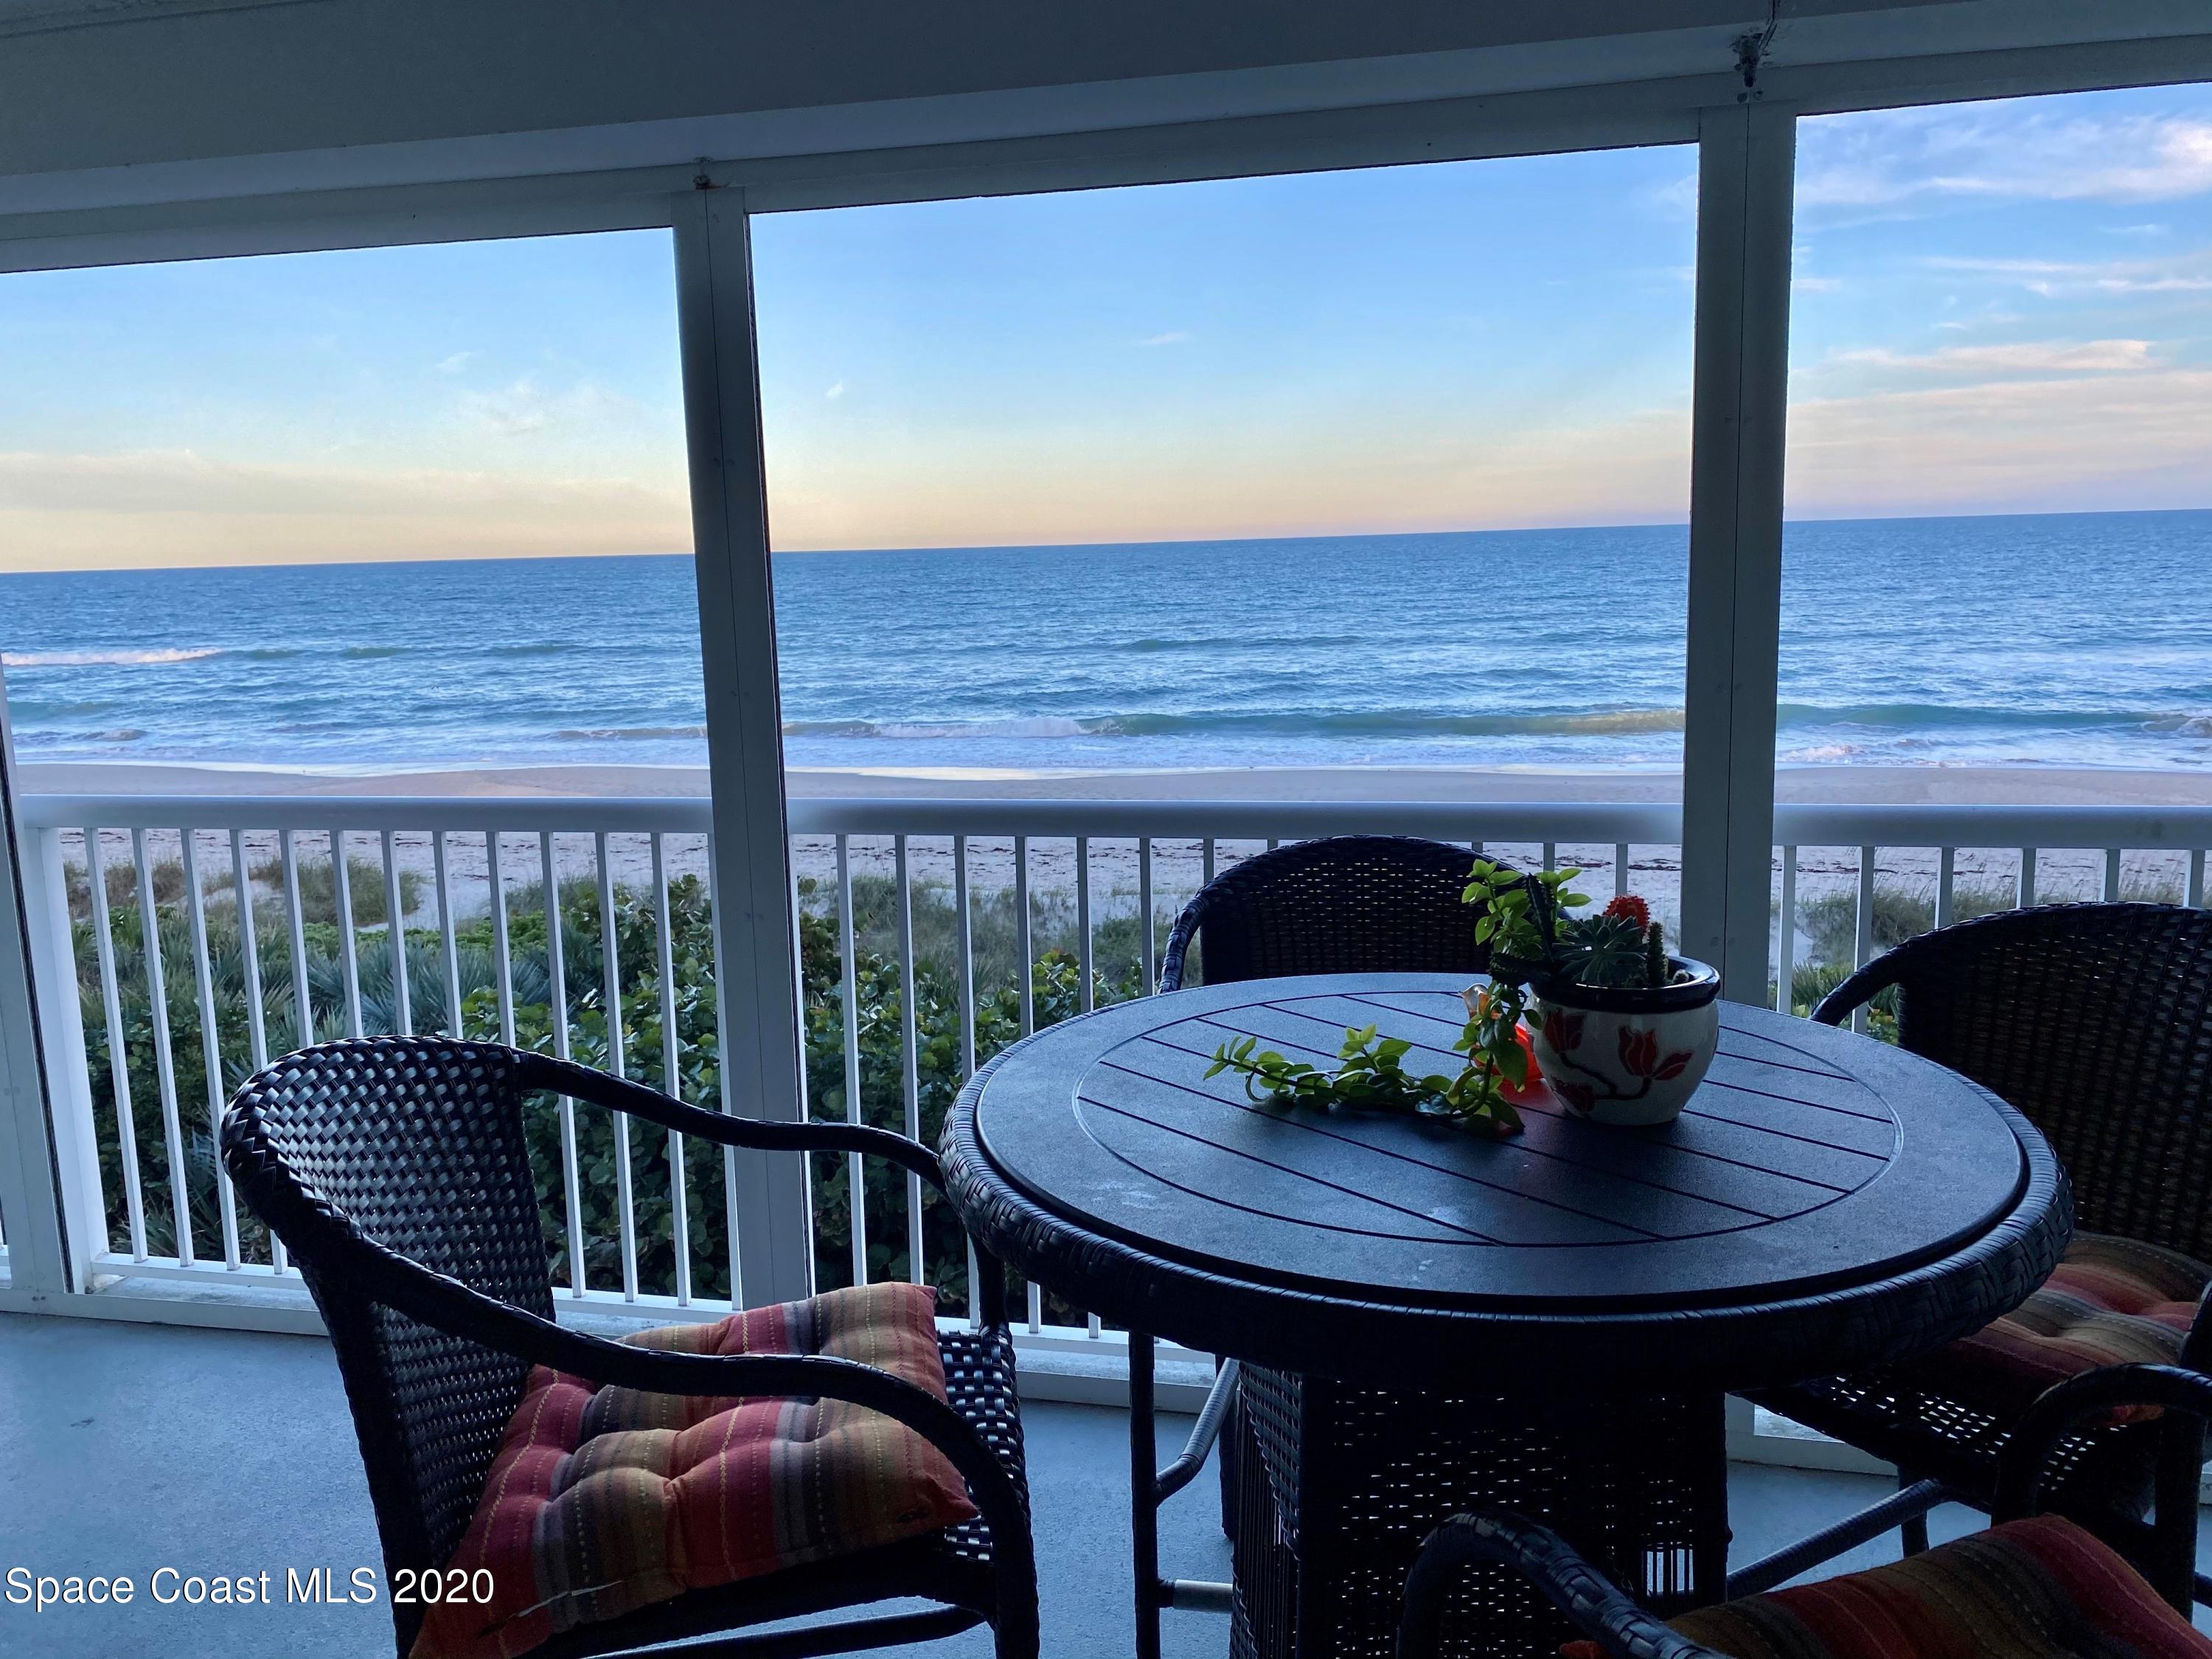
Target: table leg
[(1144, 1504), (1354, 1478)]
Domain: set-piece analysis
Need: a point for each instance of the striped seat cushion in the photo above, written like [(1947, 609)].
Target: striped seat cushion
[(2109, 1302), (2031, 1589), (604, 1500)]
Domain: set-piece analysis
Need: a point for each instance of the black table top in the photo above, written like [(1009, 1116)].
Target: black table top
[(1888, 1202)]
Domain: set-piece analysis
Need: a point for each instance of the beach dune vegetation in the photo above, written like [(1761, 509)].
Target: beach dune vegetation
[(639, 1021)]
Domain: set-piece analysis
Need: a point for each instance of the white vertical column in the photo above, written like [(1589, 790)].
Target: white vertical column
[(1746, 166), (754, 934), (49, 1166)]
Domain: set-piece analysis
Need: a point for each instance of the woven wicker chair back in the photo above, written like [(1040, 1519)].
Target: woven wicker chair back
[(417, 1144), (2095, 1020), (1341, 905)]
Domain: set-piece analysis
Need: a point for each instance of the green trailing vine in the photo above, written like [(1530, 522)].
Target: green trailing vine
[(1522, 917)]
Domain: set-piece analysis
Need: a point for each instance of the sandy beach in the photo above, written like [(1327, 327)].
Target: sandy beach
[(1997, 786), (1178, 864)]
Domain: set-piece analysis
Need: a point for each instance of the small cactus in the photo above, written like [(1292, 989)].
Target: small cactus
[(1657, 970)]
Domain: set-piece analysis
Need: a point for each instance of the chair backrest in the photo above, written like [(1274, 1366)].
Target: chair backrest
[(417, 1144), (1342, 904), (2095, 1020)]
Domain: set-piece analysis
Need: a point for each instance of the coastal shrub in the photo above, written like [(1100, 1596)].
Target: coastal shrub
[(120, 877), (642, 1030), (1830, 922), (319, 888)]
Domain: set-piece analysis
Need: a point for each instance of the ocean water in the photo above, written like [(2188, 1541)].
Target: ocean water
[(2081, 639)]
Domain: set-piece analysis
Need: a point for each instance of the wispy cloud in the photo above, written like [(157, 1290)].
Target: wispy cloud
[(835, 390), (2180, 273), (525, 406), (1173, 337), (1894, 159), (2020, 357), (456, 363)]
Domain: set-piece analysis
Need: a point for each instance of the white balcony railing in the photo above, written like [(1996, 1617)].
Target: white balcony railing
[(932, 931)]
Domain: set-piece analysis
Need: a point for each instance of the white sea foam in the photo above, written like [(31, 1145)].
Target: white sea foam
[(104, 659)]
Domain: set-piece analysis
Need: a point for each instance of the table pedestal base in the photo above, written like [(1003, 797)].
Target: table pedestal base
[(1335, 1487)]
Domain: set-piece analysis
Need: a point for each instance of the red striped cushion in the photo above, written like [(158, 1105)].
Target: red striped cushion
[(2109, 1302), (601, 1501), (2032, 1589)]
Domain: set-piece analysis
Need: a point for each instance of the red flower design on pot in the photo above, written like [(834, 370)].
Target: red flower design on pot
[(1580, 1096), (1563, 1030), (1639, 1051)]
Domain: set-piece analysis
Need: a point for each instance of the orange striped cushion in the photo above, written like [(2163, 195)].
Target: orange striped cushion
[(2032, 1589), (2109, 1302), (604, 1500)]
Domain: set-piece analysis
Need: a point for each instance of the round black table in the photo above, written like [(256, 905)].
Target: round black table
[(1429, 1317)]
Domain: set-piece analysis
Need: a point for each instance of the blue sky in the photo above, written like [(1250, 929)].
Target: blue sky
[(1999, 308)]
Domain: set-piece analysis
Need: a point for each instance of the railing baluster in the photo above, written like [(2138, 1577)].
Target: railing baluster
[(618, 1063), (2112, 874), (119, 1062), (1144, 911), (1946, 885), (303, 1002), (503, 962), (909, 1056), (395, 942), (848, 1019), (1619, 868), (557, 992), (446, 943), (1085, 996), (1207, 861), (964, 951), (1785, 937), (1551, 855), (964, 979), (806, 1093), (1863, 932), (1036, 1308), (2197, 879), (2027, 855), (210, 1032), (249, 955), (342, 904), (672, 1074), (1024, 948), (165, 1069)]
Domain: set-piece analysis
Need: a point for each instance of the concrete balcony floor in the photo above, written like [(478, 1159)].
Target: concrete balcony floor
[(127, 1447)]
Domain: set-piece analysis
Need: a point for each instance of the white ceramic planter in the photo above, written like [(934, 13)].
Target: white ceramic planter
[(1626, 1056)]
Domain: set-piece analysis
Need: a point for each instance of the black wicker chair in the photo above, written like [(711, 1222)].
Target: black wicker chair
[(1603, 1614), (1341, 904), (1344, 904), (2095, 1020), (395, 1172)]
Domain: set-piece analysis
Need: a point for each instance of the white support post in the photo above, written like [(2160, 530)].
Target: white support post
[(49, 1164), (1746, 164), (748, 849)]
